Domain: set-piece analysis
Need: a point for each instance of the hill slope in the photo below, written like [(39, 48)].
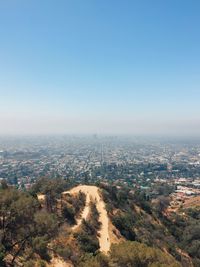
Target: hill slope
[(92, 193)]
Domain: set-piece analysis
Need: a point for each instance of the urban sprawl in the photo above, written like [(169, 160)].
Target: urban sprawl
[(148, 164)]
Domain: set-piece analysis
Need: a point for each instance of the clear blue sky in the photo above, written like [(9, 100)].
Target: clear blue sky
[(104, 66)]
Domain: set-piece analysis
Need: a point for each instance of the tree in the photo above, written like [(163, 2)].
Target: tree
[(68, 214), (22, 223), (161, 204), (124, 223)]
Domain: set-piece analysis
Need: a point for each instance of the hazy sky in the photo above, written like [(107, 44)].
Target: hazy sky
[(105, 66)]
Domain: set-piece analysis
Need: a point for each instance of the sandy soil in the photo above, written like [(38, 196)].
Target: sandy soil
[(192, 202), (58, 262), (92, 192), (41, 197)]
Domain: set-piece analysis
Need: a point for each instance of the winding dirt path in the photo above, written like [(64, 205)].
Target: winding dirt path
[(92, 192)]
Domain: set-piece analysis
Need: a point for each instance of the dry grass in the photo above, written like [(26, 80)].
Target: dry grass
[(192, 202)]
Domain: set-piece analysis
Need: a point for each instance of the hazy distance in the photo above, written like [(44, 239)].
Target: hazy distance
[(105, 67)]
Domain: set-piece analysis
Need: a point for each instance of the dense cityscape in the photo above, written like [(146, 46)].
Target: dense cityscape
[(137, 162)]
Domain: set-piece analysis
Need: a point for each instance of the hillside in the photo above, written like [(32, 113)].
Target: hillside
[(59, 224), (92, 194)]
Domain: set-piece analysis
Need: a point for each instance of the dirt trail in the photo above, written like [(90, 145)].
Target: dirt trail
[(92, 192)]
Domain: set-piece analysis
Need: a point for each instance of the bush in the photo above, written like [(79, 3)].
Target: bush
[(87, 243), (127, 254), (2, 254), (124, 223), (139, 255), (69, 214), (99, 261), (40, 247), (64, 252), (30, 263)]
